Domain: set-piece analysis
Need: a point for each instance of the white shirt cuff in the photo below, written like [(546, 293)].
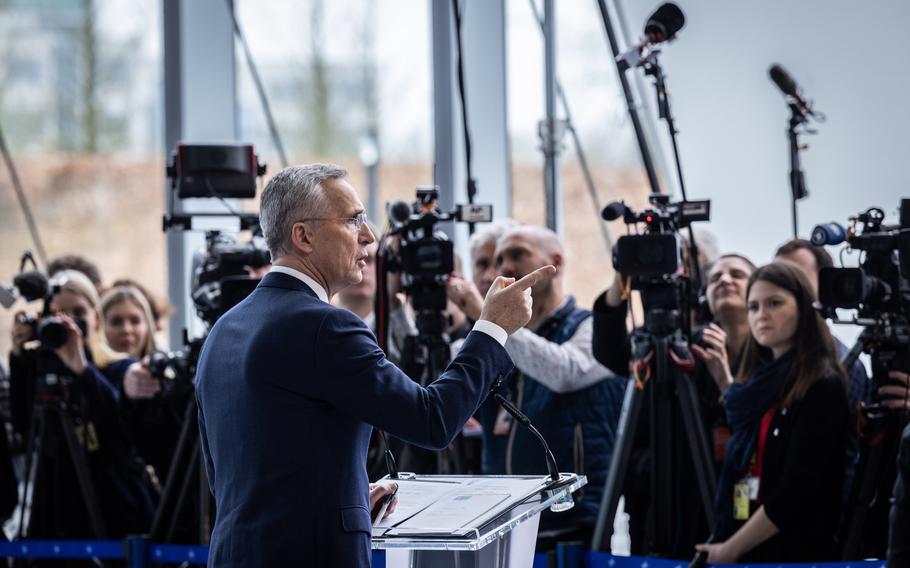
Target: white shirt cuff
[(493, 330)]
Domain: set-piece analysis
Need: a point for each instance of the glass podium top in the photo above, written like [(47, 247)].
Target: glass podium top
[(443, 521)]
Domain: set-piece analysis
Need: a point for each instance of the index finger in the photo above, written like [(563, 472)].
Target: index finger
[(534, 277)]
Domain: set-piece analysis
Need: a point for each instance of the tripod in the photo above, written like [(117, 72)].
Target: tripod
[(54, 452), (864, 530), (186, 474), (661, 352), (426, 356)]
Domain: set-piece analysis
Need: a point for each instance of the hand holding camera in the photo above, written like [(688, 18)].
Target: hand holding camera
[(138, 383)]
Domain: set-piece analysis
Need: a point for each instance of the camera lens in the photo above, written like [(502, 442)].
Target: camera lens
[(52, 332)]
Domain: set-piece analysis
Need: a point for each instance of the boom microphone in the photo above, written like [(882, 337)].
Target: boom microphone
[(788, 86), (399, 211), (661, 26)]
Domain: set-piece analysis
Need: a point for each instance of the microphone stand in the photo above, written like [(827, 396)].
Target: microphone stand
[(652, 68), (797, 180)]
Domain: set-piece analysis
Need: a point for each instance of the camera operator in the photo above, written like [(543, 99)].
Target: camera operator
[(153, 418), (779, 494), (573, 400), (718, 348), (124, 496)]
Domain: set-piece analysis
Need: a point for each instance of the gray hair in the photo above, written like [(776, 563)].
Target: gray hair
[(294, 193), (490, 232)]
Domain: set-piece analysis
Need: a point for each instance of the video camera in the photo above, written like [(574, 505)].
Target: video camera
[(654, 260), (426, 256), (879, 290), (880, 284), (221, 277)]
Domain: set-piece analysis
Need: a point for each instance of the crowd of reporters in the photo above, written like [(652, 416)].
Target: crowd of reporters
[(777, 406)]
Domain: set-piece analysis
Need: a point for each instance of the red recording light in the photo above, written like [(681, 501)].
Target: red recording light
[(648, 218)]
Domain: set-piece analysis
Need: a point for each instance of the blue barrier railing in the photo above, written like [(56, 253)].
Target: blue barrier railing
[(139, 552)]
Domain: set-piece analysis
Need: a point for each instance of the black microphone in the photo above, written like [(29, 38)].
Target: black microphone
[(661, 26), (399, 211), (32, 284), (614, 211), (664, 23), (788, 86), (552, 469)]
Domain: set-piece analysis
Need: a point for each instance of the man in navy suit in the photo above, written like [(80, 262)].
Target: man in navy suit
[(290, 386)]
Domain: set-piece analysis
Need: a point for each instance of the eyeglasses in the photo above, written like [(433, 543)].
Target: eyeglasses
[(357, 221)]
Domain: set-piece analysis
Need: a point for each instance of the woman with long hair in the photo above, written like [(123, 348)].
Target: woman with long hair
[(128, 322), (121, 486), (779, 494)]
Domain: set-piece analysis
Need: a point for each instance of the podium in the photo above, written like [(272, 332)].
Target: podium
[(470, 521)]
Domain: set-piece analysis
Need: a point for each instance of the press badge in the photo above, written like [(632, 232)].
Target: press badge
[(744, 492)]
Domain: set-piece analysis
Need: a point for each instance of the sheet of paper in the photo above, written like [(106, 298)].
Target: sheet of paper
[(414, 495), (453, 511)]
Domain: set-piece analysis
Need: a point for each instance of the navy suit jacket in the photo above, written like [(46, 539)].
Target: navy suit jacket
[(288, 387)]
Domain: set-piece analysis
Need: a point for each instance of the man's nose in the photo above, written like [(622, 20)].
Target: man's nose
[(366, 234)]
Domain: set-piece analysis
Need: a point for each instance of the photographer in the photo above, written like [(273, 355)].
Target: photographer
[(573, 401), (118, 476), (778, 497), (153, 418), (718, 348)]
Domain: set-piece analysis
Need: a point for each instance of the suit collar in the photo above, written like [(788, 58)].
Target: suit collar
[(275, 279)]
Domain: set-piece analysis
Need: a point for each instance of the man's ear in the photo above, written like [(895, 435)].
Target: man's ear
[(303, 236), (557, 260)]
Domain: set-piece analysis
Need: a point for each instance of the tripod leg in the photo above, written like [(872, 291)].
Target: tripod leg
[(184, 491), (619, 464), (179, 466), (701, 456), (661, 513), (83, 477), (32, 463)]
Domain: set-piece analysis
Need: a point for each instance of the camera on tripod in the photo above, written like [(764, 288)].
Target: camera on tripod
[(655, 260), (426, 256), (220, 274), (880, 284)]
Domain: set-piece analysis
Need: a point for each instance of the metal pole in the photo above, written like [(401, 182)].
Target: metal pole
[(631, 105), (551, 128)]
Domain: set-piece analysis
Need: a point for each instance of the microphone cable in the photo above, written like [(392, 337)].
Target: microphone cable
[(468, 155)]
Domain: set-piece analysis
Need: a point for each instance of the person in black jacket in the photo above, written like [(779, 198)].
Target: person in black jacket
[(717, 347), (778, 497)]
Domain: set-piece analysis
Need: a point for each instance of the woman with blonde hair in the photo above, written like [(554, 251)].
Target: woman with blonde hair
[(78, 299), (121, 486), (129, 325)]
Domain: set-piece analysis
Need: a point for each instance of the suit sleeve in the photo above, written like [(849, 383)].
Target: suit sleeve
[(818, 434), (360, 381)]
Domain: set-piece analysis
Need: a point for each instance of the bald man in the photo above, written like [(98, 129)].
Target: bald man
[(567, 394)]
